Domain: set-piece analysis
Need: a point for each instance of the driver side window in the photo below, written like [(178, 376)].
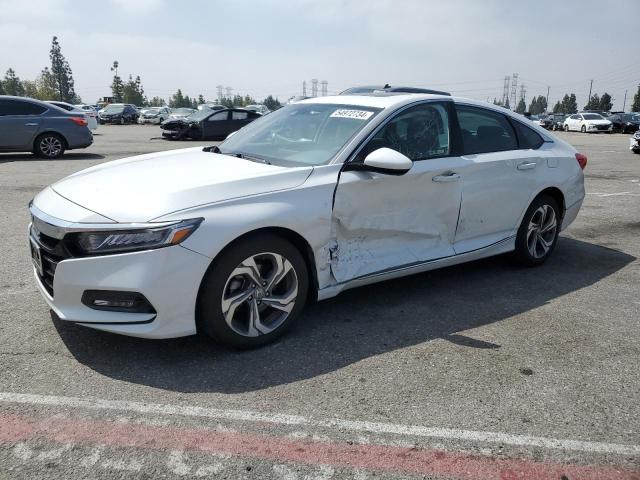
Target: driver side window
[(218, 117), (420, 133)]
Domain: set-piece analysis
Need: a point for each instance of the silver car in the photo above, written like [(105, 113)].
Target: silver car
[(28, 125)]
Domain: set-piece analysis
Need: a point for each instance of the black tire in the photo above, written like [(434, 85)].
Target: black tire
[(49, 145), (583, 129), (210, 317), (566, 128), (523, 253), (122, 121)]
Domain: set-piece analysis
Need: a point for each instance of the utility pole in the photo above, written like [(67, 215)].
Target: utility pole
[(323, 89), (514, 89), (219, 89), (548, 89), (624, 104), (590, 88), (304, 88), (314, 87), (229, 90)]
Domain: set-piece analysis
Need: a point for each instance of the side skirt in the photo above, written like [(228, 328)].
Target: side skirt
[(498, 248)]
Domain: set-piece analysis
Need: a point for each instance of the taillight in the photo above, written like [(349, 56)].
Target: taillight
[(582, 160), (79, 121)]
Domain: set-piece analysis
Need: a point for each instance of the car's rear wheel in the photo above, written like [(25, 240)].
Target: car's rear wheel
[(538, 233), (583, 129), (49, 145), (566, 128), (253, 293)]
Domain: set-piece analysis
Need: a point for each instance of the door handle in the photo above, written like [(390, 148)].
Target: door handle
[(527, 166), (30, 124), (446, 178)]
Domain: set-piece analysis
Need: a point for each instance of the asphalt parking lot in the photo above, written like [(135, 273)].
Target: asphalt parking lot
[(483, 370)]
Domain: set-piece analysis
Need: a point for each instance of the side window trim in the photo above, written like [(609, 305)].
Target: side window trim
[(453, 129)]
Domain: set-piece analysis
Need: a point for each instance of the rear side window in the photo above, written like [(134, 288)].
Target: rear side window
[(527, 137), (239, 115), (485, 131), (17, 107)]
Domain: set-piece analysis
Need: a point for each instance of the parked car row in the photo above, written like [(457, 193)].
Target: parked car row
[(207, 124), (590, 121)]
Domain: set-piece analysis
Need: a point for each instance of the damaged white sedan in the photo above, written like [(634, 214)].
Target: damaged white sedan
[(320, 196)]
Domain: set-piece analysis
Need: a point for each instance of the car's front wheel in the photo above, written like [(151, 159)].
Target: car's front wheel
[(538, 233), (583, 129), (49, 145), (566, 128), (252, 294)]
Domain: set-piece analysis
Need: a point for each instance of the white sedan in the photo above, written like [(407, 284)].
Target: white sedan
[(318, 197), (154, 115), (90, 114), (587, 123)]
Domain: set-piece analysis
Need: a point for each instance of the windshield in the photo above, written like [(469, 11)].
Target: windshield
[(114, 109), (182, 110), (592, 116), (300, 134), (632, 117)]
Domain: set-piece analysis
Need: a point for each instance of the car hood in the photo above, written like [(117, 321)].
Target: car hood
[(143, 188)]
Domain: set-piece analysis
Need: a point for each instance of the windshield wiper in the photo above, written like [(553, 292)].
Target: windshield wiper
[(252, 158)]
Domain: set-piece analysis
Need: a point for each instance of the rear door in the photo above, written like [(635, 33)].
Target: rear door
[(496, 178), (216, 125), (20, 122), (239, 118)]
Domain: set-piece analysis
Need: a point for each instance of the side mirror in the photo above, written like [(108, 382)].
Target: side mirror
[(384, 160)]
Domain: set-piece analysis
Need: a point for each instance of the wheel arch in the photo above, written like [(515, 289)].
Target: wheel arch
[(557, 195), (297, 240), (40, 134)]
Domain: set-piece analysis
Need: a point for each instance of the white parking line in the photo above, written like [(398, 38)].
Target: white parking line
[(349, 425), (601, 194)]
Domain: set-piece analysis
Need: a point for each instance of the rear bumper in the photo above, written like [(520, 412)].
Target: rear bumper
[(81, 139), (571, 213)]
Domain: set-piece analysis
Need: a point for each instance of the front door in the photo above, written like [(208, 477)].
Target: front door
[(216, 125), (382, 222), (20, 122)]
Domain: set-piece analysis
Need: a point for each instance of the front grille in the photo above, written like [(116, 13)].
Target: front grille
[(52, 251), (603, 127)]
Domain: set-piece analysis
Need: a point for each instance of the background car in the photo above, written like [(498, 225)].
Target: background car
[(28, 125), (154, 115), (261, 109), (181, 113), (92, 116), (120, 113), (634, 142), (92, 112), (208, 124), (557, 121), (625, 122), (587, 123), (545, 121)]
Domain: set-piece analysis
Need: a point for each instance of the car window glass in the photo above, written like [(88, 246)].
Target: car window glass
[(527, 137), (485, 131), (239, 115), (421, 132), (17, 107), (218, 117)]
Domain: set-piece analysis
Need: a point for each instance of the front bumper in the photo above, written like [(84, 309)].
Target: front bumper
[(168, 277), (634, 144), (152, 121)]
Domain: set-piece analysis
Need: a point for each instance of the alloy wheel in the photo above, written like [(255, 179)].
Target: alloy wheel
[(50, 146), (541, 232), (259, 294)]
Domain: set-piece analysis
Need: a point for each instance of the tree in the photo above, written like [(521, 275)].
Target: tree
[(635, 106), (606, 102), (30, 88), (156, 102), (569, 104), (12, 84), (117, 86), (132, 92), (1, 89), (178, 100), (506, 104), (593, 103), (271, 103), (201, 99), (62, 75), (538, 105), (46, 85), (557, 108), (521, 107)]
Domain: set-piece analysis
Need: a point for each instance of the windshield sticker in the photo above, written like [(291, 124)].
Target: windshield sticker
[(355, 114)]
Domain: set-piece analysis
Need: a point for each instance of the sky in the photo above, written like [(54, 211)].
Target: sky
[(262, 47)]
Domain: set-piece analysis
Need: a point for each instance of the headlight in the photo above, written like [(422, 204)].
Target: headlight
[(118, 241)]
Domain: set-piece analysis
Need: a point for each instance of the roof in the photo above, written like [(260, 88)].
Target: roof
[(378, 100)]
